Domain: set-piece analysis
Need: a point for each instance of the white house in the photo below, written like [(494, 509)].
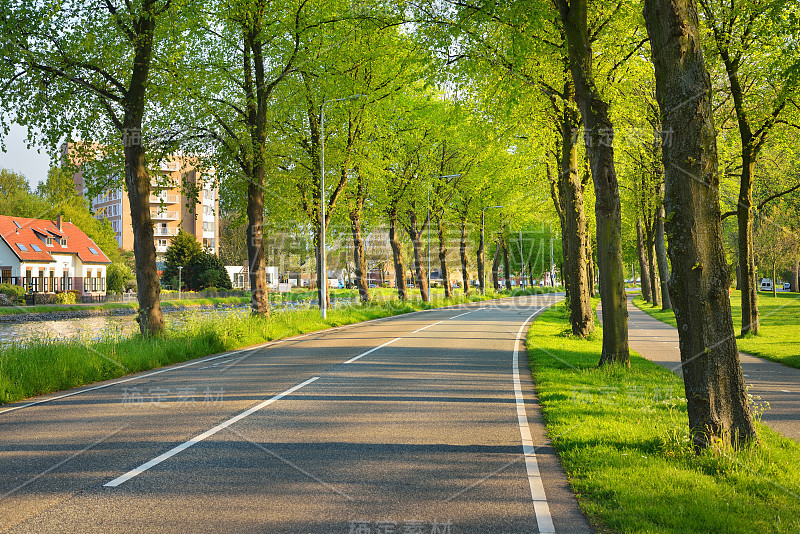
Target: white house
[(47, 256)]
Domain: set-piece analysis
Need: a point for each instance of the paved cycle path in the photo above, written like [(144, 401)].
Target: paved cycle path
[(773, 382)]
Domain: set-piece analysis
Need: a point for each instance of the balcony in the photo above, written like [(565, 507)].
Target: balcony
[(164, 199), (161, 248), (158, 215), (164, 231)]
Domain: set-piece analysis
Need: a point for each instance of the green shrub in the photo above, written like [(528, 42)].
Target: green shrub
[(67, 297), (12, 291)]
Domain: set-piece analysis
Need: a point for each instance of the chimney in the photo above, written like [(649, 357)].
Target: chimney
[(58, 222)]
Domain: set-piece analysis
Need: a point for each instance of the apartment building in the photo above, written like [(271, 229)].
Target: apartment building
[(170, 208)]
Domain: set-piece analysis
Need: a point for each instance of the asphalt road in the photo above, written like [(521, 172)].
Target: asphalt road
[(774, 383), (420, 423)]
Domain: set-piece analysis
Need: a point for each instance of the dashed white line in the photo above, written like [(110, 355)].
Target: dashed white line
[(370, 351), (197, 439), (544, 519), (465, 313), (426, 327)]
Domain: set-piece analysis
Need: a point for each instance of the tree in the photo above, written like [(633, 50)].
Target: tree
[(598, 138), (86, 68), (760, 88), (182, 249), (776, 246), (712, 375), (205, 270)]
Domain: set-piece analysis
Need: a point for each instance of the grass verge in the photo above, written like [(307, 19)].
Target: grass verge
[(779, 336), (46, 366), (622, 435)]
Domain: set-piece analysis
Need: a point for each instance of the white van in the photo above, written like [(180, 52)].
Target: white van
[(766, 284)]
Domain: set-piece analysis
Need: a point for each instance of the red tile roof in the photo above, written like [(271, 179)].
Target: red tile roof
[(26, 234)]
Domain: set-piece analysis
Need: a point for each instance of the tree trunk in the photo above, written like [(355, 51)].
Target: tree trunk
[(747, 263), (359, 258), (397, 255), (257, 167), (713, 380), (464, 258), (599, 148), (137, 179), (416, 233), (506, 262), (448, 291), (651, 265), (481, 265), (496, 267), (661, 257), (794, 279), (738, 277), (646, 290)]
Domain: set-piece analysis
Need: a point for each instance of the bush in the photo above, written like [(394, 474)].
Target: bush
[(67, 297), (12, 291)]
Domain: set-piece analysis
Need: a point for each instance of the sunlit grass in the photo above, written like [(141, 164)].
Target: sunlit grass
[(622, 435)]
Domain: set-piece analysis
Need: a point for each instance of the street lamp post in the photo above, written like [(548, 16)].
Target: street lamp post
[(483, 240), (180, 268), (430, 292), (323, 304)]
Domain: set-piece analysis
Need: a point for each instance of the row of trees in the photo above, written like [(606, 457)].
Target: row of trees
[(428, 115)]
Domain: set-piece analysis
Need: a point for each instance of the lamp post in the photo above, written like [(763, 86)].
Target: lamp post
[(430, 292), (483, 240), (180, 268), (323, 304)]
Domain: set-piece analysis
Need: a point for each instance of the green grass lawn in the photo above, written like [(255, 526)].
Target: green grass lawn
[(622, 435), (779, 338), (45, 366)]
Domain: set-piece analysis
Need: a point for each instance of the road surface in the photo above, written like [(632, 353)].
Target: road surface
[(418, 423)]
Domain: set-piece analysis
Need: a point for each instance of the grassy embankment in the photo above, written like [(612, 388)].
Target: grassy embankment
[(779, 338), (46, 366), (622, 435)]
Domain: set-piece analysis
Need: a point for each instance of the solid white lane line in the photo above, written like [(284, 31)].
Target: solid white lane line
[(461, 314), (541, 509), (370, 351), (425, 327), (197, 439)]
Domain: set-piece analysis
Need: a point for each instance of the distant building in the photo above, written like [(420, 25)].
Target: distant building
[(46, 256), (240, 276), (168, 206)]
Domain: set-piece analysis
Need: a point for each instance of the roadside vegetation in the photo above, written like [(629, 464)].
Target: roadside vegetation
[(779, 333), (623, 438), (42, 367)]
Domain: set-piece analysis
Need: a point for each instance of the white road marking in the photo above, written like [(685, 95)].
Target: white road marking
[(370, 351), (425, 327), (197, 439), (785, 391), (459, 315), (544, 519)]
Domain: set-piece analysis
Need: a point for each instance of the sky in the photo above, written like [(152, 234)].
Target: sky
[(18, 158)]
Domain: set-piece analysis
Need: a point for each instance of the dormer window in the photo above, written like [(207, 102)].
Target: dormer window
[(64, 242), (49, 241)]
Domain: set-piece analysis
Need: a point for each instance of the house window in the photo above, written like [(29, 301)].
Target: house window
[(49, 241), (36, 247), (22, 247), (93, 250)]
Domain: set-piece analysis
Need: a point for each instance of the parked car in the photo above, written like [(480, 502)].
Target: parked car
[(787, 286), (766, 284)]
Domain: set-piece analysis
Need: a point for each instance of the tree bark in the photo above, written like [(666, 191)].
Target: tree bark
[(448, 291), (646, 290), (359, 258), (397, 256), (496, 267), (415, 233), (651, 265), (747, 262), (481, 264), (464, 257), (506, 262), (794, 279), (661, 256), (713, 380), (599, 147), (137, 179)]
